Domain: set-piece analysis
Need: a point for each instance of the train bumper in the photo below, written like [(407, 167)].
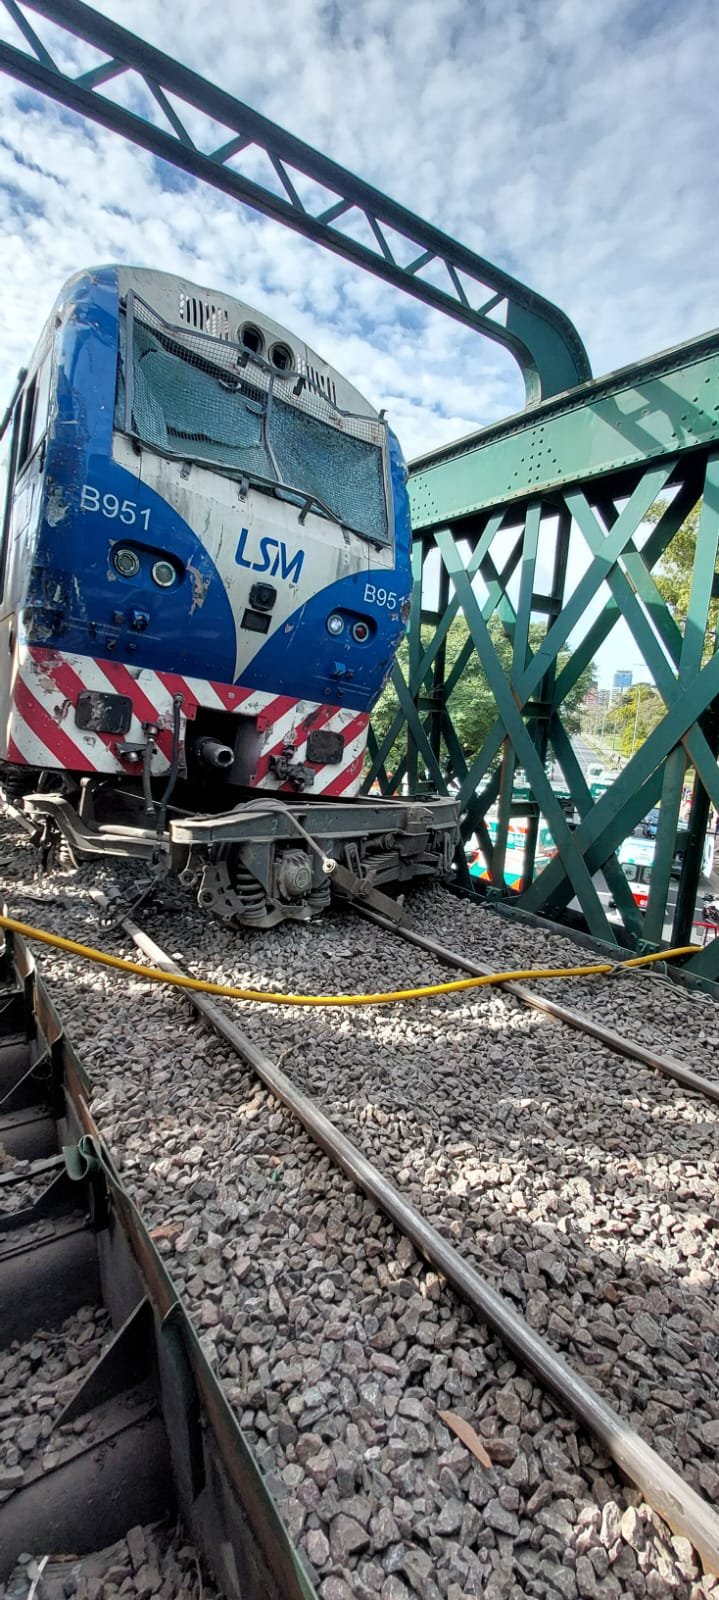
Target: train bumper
[(84, 715)]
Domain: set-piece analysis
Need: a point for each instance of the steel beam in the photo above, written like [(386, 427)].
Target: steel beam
[(593, 453), (651, 411), (375, 233), (594, 463)]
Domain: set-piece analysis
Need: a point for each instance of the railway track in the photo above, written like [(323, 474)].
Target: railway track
[(320, 1274), (111, 1416)]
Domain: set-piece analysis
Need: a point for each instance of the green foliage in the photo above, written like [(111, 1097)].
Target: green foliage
[(572, 708), (624, 726), (674, 578), (471, 705), (634, 716)]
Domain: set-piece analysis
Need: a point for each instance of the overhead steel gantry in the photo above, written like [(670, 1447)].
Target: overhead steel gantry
[(393, 243), (582, 466)]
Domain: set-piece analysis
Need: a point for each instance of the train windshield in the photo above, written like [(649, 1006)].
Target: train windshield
[(204, 399)]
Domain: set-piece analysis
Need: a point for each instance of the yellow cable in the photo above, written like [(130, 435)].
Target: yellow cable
[(156, 975)]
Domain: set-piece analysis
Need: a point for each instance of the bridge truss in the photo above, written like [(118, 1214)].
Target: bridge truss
[(584, 469), (497, 518)]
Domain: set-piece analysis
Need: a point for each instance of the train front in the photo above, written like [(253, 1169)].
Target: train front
[(225, 535)]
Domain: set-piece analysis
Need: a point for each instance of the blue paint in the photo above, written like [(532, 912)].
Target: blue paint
[(275, 558), (74, 593), (73, 598), (304, 654)]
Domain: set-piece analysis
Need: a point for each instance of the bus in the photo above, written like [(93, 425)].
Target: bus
[(636, 859), (515, 855)]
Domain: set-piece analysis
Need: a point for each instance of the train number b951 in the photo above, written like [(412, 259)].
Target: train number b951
[(110, 505)]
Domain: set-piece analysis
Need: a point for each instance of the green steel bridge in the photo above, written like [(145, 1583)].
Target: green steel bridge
[(533, 531)]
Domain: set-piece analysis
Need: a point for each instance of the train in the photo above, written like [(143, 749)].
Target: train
[(204, 581)]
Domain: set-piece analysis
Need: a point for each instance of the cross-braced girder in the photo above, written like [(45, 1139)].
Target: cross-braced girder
[(496, 519), (539, 578)]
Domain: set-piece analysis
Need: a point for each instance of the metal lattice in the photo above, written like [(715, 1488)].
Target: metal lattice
[(585, 467), (598, 472)]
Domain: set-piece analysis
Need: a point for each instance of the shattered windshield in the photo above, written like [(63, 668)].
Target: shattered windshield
[(205, 399)]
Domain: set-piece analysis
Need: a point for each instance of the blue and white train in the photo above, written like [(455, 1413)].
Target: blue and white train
[(204, 580)]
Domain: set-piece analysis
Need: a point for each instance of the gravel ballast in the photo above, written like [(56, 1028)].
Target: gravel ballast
[(583, 1187), (155, 1562), (641, 1004)]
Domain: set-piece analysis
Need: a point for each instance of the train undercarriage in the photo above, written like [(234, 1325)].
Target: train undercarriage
[(269, 859)]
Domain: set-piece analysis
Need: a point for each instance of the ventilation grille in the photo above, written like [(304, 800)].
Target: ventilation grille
[(323, 382), (203, 316)]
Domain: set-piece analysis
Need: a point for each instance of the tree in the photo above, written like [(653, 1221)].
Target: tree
[(635, 716), (674, 578), (574, 702)]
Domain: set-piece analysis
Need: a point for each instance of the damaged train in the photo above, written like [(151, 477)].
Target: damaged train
[(204, 581)]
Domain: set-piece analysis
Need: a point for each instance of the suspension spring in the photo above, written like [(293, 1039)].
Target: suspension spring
[(249, 891)]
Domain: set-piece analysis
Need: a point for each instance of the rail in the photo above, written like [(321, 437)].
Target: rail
[(158, 1434), (682, 1508)]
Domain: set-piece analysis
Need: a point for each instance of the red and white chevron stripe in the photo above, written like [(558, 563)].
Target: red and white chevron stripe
[(42, 732)]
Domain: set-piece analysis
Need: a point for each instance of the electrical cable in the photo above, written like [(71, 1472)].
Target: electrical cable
[(268, 997)]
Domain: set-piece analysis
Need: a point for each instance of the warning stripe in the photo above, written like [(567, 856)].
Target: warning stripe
[(36, 738), (31, 751), (352, 731), (202, 691), (70, 685), (297, 735), (300, 734), (355, 742), (124, 683), (278, 732), (275, 710), (347, 776), (61, 747), (52, 671), (174, 684), (330, 779), (229, 695)]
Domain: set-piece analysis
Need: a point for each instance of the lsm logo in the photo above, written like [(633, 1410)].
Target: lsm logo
[(274, 558)]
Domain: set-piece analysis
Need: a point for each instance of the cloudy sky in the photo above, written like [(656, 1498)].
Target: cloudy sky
[(574, 144)]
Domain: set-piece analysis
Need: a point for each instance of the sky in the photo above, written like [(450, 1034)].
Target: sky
[(574, 145)]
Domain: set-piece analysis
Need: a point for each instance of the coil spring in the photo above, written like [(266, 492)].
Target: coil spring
[(249, 891)]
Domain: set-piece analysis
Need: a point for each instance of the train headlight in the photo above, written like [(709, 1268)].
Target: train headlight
[(163, 574), (282, 357), (126, 562), (360, 632), (335, 624)]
